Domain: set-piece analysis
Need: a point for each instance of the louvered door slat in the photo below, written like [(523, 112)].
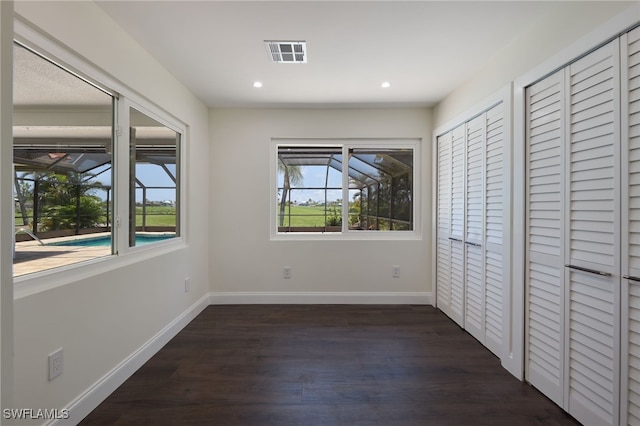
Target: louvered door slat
[(474, 292), (443, 227), (494, 228), (457, 183), (457, 208), (593, 233), (474, 180), (631, 386), (474, 229), (630, 82), (545, 298)]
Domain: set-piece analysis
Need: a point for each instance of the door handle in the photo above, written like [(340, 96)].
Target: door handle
[(455, 239), (631, 278), (473, 244), (591, 271)]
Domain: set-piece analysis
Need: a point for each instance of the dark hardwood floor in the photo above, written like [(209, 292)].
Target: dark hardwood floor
[(325, 365)]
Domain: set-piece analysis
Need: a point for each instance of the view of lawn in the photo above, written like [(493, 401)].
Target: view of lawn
[(157, 216), (309, 215)]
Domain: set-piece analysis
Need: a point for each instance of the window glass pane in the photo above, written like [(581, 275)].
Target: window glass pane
[(62, 158), (381, 189), (154, 181), (309, 189), (309, 192)]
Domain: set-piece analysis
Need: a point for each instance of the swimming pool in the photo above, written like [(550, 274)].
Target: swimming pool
[(105, 241)]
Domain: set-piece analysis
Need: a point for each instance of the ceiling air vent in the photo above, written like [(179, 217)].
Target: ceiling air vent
[(287, 52)]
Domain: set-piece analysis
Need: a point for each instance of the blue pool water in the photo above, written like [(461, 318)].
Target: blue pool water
[(106, 241)]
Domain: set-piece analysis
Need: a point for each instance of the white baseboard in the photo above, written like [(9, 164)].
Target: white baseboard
[(381, 298), (100, 390)]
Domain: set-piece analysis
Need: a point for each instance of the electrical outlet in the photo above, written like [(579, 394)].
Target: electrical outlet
[(395, 271), (187, 284), (286, 272), (56, 363)]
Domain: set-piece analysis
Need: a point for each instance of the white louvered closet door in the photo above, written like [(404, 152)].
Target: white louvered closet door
[(494, 264), (443, 227), (474, 308), (457, 302), (471, 218), (630, 386), (545, 244), (592, 253)]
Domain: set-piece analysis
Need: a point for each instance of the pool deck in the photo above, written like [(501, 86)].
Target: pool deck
[(31, 257)]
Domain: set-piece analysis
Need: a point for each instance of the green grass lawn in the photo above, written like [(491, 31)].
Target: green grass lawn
[(157, 216), (307, 215)]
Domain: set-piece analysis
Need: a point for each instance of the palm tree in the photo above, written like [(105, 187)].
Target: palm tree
[(292, 176), (65, 201)]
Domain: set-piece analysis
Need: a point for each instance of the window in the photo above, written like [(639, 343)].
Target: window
[(310, 189), (153, 180), (381, 189), (77, 180), (316, 193), (62, 159)]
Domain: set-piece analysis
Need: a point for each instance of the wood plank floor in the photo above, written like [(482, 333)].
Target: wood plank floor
[(325, 365)]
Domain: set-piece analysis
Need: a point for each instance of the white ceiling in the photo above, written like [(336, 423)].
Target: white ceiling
[(424, 48)]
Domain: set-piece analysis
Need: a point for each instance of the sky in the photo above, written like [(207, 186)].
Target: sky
[(149, 175), (314, 177)]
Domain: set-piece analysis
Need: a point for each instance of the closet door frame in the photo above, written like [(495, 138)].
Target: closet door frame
[(510, 350), (629, 280), (589, 300), (597, 37)]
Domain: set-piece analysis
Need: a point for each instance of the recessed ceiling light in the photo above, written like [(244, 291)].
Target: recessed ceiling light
[(385, 85), (257, 84)]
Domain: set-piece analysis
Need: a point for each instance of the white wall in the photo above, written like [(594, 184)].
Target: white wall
[(6, 191), (535, 46), (102, 320), (246, 266)]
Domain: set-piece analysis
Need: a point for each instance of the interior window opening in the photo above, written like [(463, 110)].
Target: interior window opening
[(154, 181), (62, 160)]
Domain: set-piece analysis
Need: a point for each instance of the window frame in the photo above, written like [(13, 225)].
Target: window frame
[(124, 97), (123, 144), (346, 144)]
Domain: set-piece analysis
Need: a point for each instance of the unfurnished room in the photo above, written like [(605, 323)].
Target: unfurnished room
[(320, 212)]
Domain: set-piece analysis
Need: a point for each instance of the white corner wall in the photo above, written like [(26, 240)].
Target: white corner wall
[(111, 322), (246, 266), (573, 30), (570, 21)]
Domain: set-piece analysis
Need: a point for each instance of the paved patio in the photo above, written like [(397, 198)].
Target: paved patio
[(32, 257)]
